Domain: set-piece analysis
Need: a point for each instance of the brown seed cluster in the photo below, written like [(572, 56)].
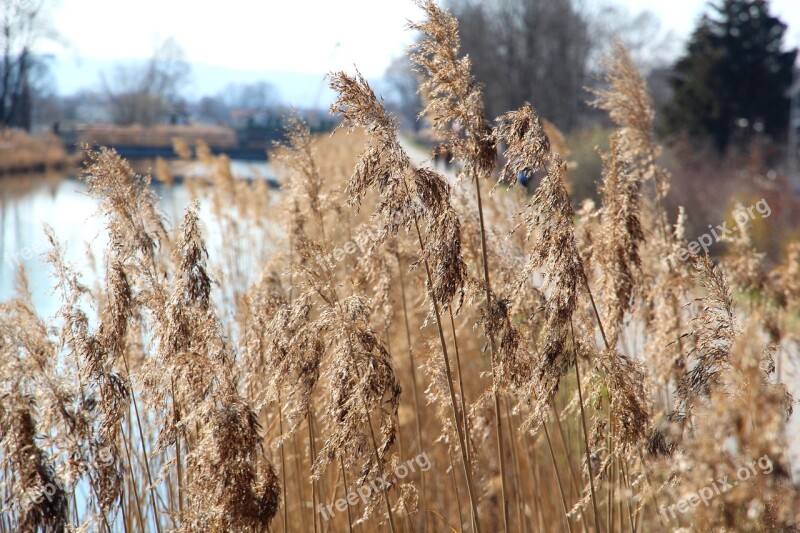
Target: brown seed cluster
[(271, 361)]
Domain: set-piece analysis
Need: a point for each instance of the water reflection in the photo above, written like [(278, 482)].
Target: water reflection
[(28, 203)]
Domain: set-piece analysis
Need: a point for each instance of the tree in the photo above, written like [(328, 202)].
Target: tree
[(541, 51), (256, 96), (528, 50), (648, 45), (44, 94), (149, 93), (22, 24), (732, 82), (258, 102), (213, 109), (403, 85)]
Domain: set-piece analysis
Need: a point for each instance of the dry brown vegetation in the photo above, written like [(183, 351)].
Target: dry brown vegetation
[(556, 373), (21, 152), (159, 135)]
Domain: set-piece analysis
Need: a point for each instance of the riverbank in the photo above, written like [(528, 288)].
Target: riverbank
[(23, 153)]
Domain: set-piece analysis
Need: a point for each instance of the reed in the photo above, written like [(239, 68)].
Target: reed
[(380, 346)]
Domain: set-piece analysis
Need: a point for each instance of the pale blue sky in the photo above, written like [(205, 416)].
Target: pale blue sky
[(291, 44), (293, 35)]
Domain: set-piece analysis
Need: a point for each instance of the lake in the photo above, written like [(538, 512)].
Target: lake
[(28, 203)]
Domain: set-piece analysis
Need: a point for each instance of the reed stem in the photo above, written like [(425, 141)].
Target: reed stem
[(412, 366), (585, 432), (495, 390), (437, 314), (558, 478)]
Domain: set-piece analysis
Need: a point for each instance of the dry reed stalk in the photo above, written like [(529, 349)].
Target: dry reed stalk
[(568, 456), (344, 483), (412, 368), (179, 463), (452, 470), (558, 478), (455, 99), (630, 106), (461, 390), (139, 513), (519, 492), (410, 196), (585, 432), (313, 455), (283, 470)]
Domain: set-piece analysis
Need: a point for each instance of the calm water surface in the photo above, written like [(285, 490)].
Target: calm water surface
[(29, 203)]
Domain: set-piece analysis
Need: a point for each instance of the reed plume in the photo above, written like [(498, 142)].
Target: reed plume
[(408, 196), (630, 106), (714, 332), (785, 279), (454, 100), (35, 477), (620, 236), (745, 264), (227, 492)]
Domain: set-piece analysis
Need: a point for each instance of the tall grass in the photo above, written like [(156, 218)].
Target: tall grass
[(541, 368), (23, 152)]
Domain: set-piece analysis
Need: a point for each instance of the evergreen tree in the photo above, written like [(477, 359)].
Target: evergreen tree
[(732, 82)]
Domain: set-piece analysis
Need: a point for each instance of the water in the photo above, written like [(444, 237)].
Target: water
[(29, 203)]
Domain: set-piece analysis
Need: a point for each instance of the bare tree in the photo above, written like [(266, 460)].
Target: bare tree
[(149, 93), (260, 101), (257, 96), (649, 45), (528, 50), (403, 97), (547, 51), (213, 109), (22, 24)]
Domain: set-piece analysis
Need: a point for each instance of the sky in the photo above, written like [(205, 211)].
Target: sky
[(294, 36)]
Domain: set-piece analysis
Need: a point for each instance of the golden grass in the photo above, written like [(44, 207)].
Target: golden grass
[(22, 152), (550, 367), (159, 135)]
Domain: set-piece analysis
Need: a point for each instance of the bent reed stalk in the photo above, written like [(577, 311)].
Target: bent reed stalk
[(207, 366)]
